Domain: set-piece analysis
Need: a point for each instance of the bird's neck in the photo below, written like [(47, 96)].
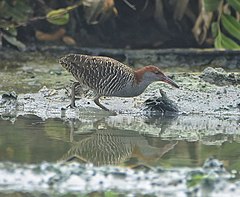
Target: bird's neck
[(138, 74), (142, 77), (140, 82)]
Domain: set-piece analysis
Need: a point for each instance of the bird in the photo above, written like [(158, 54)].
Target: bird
[(106, 76)]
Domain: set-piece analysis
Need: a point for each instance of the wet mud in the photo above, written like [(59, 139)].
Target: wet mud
[(195, 100), (59, 180)]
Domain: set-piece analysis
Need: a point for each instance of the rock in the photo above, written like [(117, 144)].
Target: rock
[(219, 76), (161, 104)]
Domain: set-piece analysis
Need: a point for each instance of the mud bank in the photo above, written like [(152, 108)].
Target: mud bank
[(204, 108), (59, 179), (180, 59)]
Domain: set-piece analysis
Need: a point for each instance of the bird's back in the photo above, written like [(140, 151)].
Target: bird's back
[(103, 75)]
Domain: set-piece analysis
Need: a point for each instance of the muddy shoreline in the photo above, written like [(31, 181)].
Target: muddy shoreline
[(202, 107), (180, 59)]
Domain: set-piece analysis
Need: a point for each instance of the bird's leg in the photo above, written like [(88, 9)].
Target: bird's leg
[(72, 105), (96, 101)]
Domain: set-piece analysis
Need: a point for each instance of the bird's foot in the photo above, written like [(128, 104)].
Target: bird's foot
[(71, 105), (141, 167)]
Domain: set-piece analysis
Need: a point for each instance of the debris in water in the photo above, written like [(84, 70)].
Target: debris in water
[(161, 104)]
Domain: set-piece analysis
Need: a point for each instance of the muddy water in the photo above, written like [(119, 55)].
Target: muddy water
[(40, 137), (29, 139)]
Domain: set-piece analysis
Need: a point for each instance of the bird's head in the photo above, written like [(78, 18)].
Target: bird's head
[(151, 74)]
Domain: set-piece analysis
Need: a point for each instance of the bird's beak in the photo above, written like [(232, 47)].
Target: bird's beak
[(170, 81)]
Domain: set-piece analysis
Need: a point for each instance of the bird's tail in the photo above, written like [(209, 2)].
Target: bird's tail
[(65, 61)]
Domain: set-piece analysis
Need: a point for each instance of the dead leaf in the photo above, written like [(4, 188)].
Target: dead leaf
[(50, 37), (190, 14), (98, 10), (13, 41), (180, 7), (68, 40), (159, 15), (202, 25)]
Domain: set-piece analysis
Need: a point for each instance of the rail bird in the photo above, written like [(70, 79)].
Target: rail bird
[(108, 77)]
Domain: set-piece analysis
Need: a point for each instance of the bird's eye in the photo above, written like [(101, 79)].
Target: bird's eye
[(156, 72)]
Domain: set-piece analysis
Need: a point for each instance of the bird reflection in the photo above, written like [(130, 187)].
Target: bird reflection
[(107, 145)]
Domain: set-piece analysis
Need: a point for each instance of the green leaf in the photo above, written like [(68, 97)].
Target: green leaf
[(58, 17), (214, 29), (110, 194), (235, 4), (223, 42), (195, 179), (228, 43), (218, 42), (13, 41), (17, 13), (211, 5), (11, 30), (231, 25)]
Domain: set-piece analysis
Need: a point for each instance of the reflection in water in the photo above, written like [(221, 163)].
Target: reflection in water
[(109, 145), (161, 122), (153, 140), (121, 140)]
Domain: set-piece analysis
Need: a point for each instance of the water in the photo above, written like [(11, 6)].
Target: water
[(29, 139), (32, 140)]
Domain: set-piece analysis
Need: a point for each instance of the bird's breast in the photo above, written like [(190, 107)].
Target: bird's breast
[(130, 90)]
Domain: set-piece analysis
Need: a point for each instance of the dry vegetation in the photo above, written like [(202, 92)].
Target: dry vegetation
[(121, 23)]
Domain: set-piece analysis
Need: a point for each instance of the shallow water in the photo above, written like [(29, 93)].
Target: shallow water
[(29, 139)]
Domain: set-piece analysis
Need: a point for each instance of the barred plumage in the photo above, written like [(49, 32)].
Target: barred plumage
[(105, 76), (104, 147), (109, 77)]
